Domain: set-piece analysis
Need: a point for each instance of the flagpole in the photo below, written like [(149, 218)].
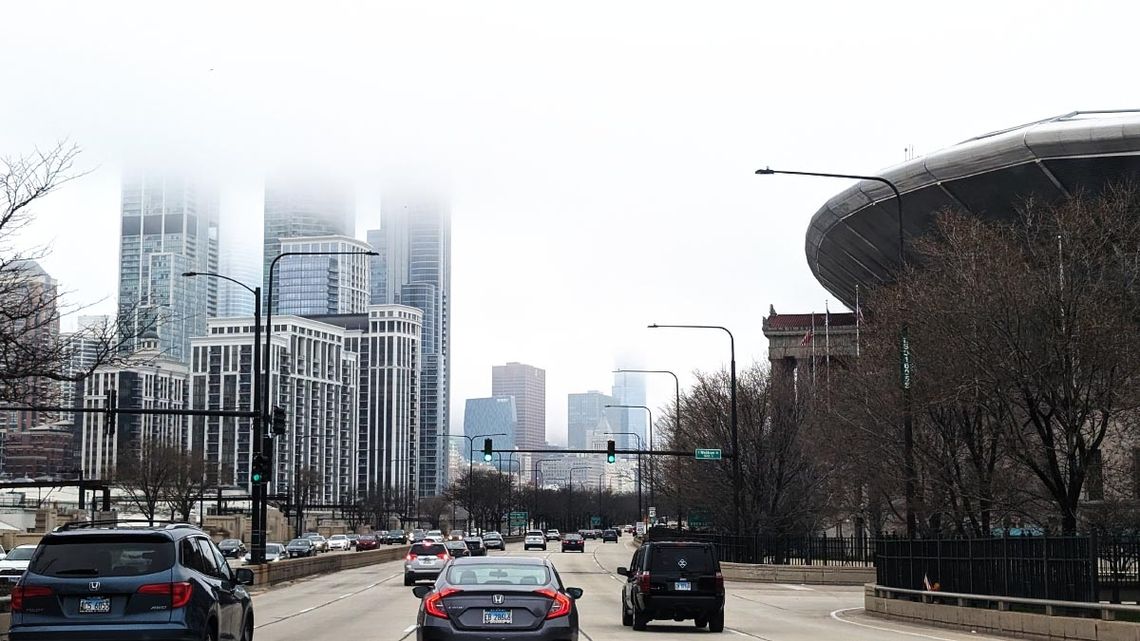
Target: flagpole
[(813, 352), (858, 313), (827, 344)]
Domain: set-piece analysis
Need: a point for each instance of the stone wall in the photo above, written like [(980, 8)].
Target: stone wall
[(812, 574)]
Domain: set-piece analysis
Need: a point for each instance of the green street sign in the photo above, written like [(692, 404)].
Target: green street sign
[(595, 521), (708, 454), (518, 519)]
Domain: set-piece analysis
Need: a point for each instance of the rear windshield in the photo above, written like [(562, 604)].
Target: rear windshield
[(505, 574), (114, 555), (22, 553), (435, 548), (534, 533), (299, 542), (690, 558), (572, 537)]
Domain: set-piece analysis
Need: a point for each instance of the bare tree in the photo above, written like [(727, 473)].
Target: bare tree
[(187, 483), (146, 479)]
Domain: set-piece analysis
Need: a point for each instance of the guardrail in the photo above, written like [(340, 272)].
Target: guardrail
[(1106, 611)]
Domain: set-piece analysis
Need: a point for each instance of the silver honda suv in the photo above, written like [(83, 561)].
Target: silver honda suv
[(424, 561)]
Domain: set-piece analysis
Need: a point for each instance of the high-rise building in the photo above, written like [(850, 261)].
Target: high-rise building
[(83, 352), (629, 389), (31, 322), (323, 284), (495, 415), (299, 206), (414, 268), (245, 267), (583, 412), (527, 384), (169, 226)]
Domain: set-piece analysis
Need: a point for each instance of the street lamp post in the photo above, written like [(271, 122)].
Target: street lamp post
[(537, 475), (736, 481), (257, 491), (652, 494), (471, 468), (640, 510), (570, 498), (904, 343)]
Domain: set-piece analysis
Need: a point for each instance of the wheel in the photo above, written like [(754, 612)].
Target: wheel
[(409, 580), (640, 620), (626, 617), (700, 622), (716, 621)]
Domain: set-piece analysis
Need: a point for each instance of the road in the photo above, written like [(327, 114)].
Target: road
[(372, 603)]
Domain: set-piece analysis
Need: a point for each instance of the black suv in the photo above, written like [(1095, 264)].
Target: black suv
[(673, 580), (106, 581)]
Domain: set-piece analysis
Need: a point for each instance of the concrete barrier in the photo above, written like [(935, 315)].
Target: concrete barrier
[(814, 574), (989, 614), (293, 569)]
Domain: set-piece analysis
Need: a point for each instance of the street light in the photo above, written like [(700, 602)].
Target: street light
[(651, 466), (471, 467), (735, 432), (257, 491), (904, 343), (677, 418), (570, 498), (640, 511)]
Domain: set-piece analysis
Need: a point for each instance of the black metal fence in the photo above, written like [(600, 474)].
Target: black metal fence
[(778, 550)]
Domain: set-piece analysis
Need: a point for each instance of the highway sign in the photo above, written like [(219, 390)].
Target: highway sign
[(652, 513), (518, 519), (595, 521), (708, 454)]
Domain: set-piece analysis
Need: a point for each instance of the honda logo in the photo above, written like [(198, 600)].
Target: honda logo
[(682, 563), (94, 585), (497, 599)]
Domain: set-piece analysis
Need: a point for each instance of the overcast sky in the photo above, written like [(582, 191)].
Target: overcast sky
[(599, 155)]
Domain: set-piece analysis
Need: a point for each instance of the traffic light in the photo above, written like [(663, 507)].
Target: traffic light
[(611, 456), (259, 471), (278, 420), (488, 445), (111, 404)]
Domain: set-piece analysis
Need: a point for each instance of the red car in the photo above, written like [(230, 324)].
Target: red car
[(573, 542), (367, 542)]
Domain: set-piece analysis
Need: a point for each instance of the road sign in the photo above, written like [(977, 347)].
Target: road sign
[(652, 513), (595, 521), (518, 519), (699, 518), (708, 454)]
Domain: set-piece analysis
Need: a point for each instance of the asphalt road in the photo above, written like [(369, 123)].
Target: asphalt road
[(373, 604)]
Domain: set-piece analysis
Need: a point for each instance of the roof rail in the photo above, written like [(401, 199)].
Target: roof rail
[(114, 523)]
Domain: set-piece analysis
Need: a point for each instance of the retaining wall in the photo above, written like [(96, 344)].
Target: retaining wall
[(293, 569), (814, 574)]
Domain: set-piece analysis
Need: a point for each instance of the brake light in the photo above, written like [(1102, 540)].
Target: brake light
[(433, 604), (21, 592), (719, 581), (561, 605), (643, 582), (179, 593), (443, 555), (410, 557)]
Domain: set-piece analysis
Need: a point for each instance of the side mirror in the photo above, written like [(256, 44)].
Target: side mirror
[(575, 593), (421, 591), (623, 571), (244, 576)]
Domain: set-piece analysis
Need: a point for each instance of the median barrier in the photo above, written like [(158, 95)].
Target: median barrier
[(813, 574), (1041, 619), (292, 569)]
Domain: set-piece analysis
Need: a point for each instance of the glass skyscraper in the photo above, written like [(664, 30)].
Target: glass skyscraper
[(583, 413), (169, 226), (328, 284), (629, 389), (494, 415)]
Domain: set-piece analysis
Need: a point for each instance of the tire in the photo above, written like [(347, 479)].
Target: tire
[(700, 622), (716, 621), (626, 617), (409, 580), (640, 621)]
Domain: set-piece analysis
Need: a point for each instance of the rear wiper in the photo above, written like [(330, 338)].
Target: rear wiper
[(86, 571)]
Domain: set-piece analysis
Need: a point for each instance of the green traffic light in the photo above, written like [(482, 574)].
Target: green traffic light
[(611, 458), (487, 458), (256, 478)]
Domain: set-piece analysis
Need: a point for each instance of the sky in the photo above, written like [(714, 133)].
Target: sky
[(599, 156)]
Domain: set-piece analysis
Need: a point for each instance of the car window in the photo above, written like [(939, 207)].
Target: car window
[(635, 562), (213, 568), (690, 558), (435, 548), (505, 574), (102, 555), (22, 553)]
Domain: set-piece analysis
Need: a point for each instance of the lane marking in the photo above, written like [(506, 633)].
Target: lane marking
[(747, 634), (801, 588), (835, 615), (330, 601), (410, 628)]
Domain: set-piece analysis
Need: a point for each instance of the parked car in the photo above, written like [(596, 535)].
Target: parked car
[(494, 540), (103, 581), (367, 542), (573, 542), (553, 535), (233, 548), (534, 539), (320, 542), (273, 552), (302, 547), (425, 561), (610, 535), (339, 542), (497, 598), (475, 545), (15, 562), (673, 581)]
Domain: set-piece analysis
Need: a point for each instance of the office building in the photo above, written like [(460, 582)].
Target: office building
[(243, 266), (583, 412), (483, 417), (527, 384), (414, 268), (169, 226), (323, 284), (31, 322), (300, 206), (629, 389)]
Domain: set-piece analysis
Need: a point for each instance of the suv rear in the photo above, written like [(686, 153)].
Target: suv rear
[(673, 580), (96, 582), (534, 538), (424, 561)]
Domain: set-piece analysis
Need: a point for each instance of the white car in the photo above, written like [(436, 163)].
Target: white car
[(553, 535), (339, 542), (273, 552), (534, 538), (13, 565)]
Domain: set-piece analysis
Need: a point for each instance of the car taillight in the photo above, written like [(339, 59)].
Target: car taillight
[(179, 593), (21, 592), (719, 581), (433, 604), (561, 605), (410, 557), (444, 556), (643, 581)]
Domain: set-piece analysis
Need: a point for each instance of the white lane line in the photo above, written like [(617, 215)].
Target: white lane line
[(410, 628), (802, 588), (305, 610), (835, 615)]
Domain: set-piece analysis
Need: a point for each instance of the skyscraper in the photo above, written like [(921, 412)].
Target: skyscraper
[(629, 389), (414, 268), (527, 384), (301, 206), (328, 284), (583, 413), (243, 266), (169, 226), (494, 415)]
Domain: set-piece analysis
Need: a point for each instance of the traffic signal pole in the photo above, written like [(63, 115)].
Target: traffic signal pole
[(258, 489)]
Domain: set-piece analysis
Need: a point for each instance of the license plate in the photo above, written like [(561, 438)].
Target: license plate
[(497, 617), (683, 586), (428, 561), (95, 605)]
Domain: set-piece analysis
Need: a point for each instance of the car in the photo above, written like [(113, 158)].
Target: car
[(273, 552), (417, 536), (574, 542), (534, 539), (301, 547), (553, 535), (475, 545), (320, 542), (673, 580), (457, 548), (609, 535), (99, 580), (496, 598), (339, 542), (494, 540), (367, 542), (456, 535), (13, 565), (232, 548), (352, 539), (395, 537), (425, 561)]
